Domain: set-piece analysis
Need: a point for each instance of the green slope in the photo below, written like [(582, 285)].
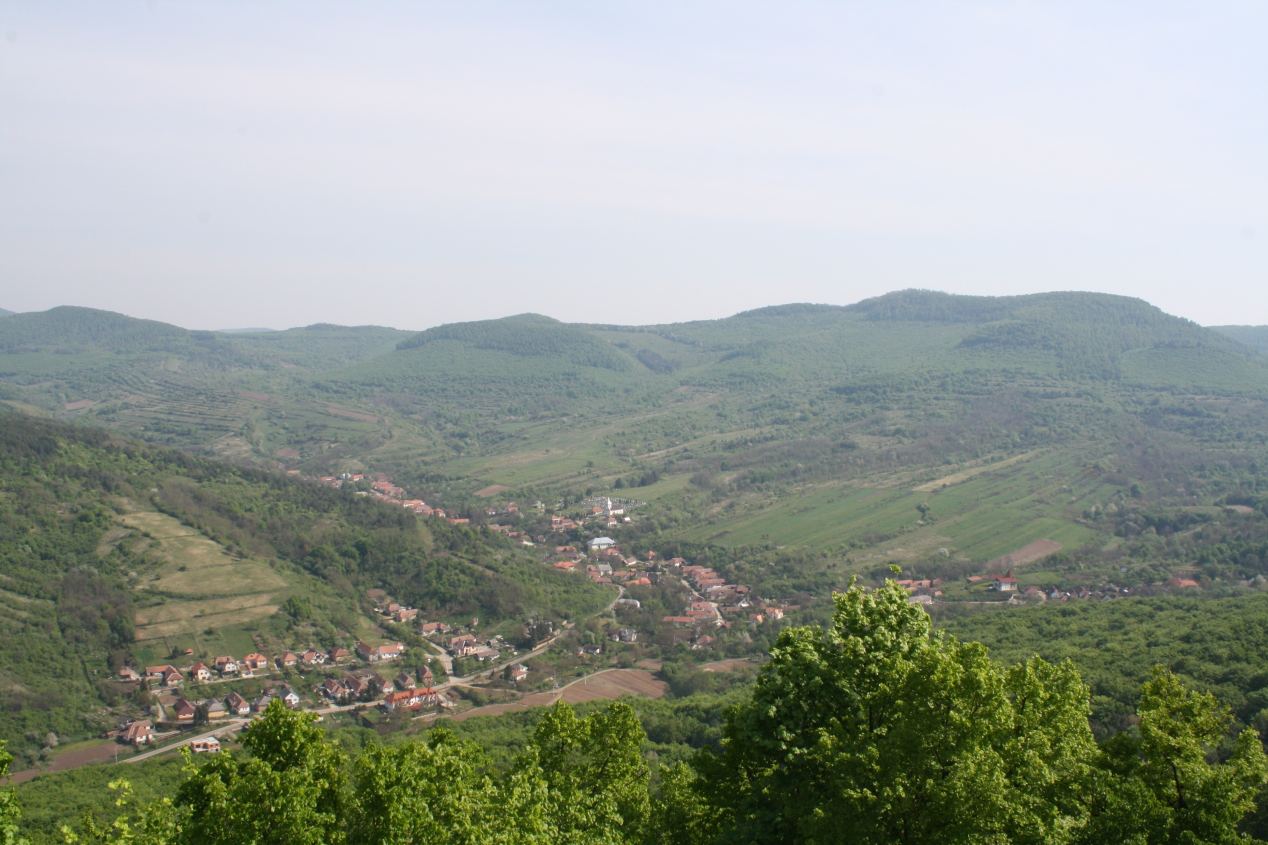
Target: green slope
[(112, 552), (738, 422), (1256, 336)]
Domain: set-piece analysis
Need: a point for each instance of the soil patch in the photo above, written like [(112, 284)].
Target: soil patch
[(353, 415), (74, 759), (614, 684), (492, 490), (1026, 554)]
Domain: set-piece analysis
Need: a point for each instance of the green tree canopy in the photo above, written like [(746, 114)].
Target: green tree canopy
[(876, 728)]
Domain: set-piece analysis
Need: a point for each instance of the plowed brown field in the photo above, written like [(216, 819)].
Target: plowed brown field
[(610, 684)]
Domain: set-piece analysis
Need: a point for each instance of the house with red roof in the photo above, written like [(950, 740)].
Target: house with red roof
[(237, 705), (138, 733), (185, 711), (1005, 583)]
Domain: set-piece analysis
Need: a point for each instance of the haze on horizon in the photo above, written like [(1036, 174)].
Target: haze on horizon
[(230, 165)]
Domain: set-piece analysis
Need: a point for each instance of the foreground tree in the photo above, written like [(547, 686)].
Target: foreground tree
[(876, 732), (1162, 786), (156, 823), (289, 791), (596, 776), (10, 812), (439, 791)]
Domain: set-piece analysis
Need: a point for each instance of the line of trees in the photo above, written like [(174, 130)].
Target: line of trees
[(872, 730)]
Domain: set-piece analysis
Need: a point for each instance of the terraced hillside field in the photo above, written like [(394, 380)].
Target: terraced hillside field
[(197, 582)]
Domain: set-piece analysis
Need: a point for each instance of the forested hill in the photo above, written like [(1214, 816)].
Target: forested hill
[(113, 552), (1256, 336), (539, 364), (68, 328), (719, 418), (80, 336)]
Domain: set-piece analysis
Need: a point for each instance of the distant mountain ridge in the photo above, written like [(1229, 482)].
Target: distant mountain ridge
[(73, 326), (4, 312), (205, 390), (1256, 336)]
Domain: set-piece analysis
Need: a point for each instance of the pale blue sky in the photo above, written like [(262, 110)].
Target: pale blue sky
[(282, 163)]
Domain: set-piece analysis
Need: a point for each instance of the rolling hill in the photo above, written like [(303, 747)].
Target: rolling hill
[(113, 552), (1256, 336), (916, 426)]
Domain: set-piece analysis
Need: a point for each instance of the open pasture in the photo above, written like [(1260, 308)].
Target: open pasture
[(994, 511), (204, 585)]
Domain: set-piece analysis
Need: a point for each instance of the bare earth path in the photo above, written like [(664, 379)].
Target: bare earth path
[(606, 683)]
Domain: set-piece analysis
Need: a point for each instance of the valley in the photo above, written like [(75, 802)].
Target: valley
[(175, 497)]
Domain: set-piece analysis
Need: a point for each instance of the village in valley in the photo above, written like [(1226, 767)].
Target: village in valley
[(202, 703), (451, 668)]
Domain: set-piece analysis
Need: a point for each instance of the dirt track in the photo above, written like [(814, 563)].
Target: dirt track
[(74, 759), (610, 684), (1026, 554)]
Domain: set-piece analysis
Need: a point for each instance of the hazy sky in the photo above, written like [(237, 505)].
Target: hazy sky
[(275, 164)]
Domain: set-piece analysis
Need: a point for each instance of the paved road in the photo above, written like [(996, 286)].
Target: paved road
[(219, 729), (545, 645), (238, 724)]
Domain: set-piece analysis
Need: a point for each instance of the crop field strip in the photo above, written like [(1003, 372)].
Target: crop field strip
[(202, 584)]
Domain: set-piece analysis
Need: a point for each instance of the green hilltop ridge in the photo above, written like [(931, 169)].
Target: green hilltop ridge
[(1256, 336), (817, 426)]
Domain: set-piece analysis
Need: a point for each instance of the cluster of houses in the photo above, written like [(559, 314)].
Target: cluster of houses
[(221, 667), (402, 691), (391, 610), (607, 513), (609, 567), (926, 591), (183, 711), (720, 602), (226, 667), (717, 603), (381, 488), (234, 705), (469, 645)]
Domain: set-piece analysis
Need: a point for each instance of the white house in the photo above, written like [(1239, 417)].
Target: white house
[(599, 544)]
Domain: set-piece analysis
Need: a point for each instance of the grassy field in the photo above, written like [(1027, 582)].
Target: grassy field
[(989, 511), (197, 582)]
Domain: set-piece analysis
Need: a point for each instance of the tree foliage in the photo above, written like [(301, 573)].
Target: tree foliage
[(874, 730)]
